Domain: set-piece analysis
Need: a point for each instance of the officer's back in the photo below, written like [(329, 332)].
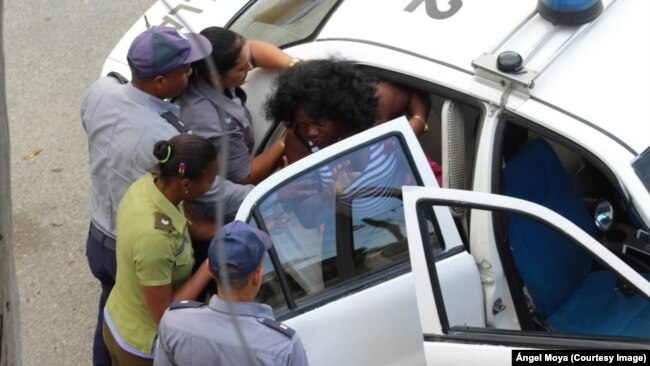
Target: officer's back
[(193, 333)]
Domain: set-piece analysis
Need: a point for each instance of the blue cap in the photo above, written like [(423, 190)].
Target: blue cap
[(244, 247), (159, 50)]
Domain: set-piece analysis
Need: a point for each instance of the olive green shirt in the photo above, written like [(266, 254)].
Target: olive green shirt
[(153, 249)]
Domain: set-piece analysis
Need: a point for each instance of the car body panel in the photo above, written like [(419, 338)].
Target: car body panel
[(331, 333), (600, 57), (452, 354), (448, 40)]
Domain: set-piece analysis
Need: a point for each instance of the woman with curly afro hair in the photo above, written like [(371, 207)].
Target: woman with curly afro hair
[(324, 101)]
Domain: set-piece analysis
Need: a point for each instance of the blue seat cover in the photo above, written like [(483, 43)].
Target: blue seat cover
[(568, 296)]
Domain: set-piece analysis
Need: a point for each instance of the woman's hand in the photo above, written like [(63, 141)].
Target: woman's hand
[(200, 228), (342, 176)]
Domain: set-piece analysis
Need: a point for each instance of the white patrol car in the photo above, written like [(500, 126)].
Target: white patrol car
[(540, 237)]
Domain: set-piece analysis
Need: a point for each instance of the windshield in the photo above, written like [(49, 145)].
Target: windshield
[(642, 168), (282, 22)]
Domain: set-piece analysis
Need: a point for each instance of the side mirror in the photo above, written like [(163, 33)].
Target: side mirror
[(604, 215)]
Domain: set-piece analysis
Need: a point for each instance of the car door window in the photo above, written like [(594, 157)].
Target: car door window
[(336, 222)]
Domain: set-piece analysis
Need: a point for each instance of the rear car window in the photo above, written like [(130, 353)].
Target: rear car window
[(282, 22)]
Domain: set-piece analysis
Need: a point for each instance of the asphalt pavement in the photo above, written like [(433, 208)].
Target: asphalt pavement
[(53, 51)]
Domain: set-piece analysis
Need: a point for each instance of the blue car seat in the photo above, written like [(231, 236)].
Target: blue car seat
[(569, 296)]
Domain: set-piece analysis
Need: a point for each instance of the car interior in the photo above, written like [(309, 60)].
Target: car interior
[(558, 285), (569, 294), (613, 217)]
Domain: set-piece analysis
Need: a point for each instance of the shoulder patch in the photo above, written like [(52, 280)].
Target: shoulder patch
[(163, 222), (185, 304), (276, 325)]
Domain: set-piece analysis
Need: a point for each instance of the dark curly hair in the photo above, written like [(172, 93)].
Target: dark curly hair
[(193, 151), (326, 89)]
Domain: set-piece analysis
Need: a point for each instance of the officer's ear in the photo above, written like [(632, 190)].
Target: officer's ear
[(158, 81), (186, 185), (257, 276)]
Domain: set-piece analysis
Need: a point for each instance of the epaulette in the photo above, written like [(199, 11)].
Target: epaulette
[(185, 304), (276, 325), (163, 222), (118, 76), (176, 122)]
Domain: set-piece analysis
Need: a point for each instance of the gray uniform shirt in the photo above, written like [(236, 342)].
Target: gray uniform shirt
[(201, 104), (206, 336), (123, 124)]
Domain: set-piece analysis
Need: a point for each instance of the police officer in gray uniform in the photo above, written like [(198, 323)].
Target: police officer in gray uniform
[(123, 121), (192, 333)]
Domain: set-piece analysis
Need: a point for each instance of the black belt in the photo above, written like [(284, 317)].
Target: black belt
[(106, 240)]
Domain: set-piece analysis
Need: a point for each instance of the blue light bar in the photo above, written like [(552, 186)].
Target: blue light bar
[(569, 12)]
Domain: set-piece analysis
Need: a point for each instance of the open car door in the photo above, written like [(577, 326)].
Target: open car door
[(339, 270), (613, 309)]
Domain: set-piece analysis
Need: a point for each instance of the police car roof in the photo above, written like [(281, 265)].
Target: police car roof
[(602, 77)]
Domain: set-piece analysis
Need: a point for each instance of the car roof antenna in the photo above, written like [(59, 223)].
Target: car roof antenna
[(146, 22)]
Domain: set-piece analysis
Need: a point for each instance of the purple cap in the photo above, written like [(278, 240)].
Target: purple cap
[(159, 50), (244, 247)]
